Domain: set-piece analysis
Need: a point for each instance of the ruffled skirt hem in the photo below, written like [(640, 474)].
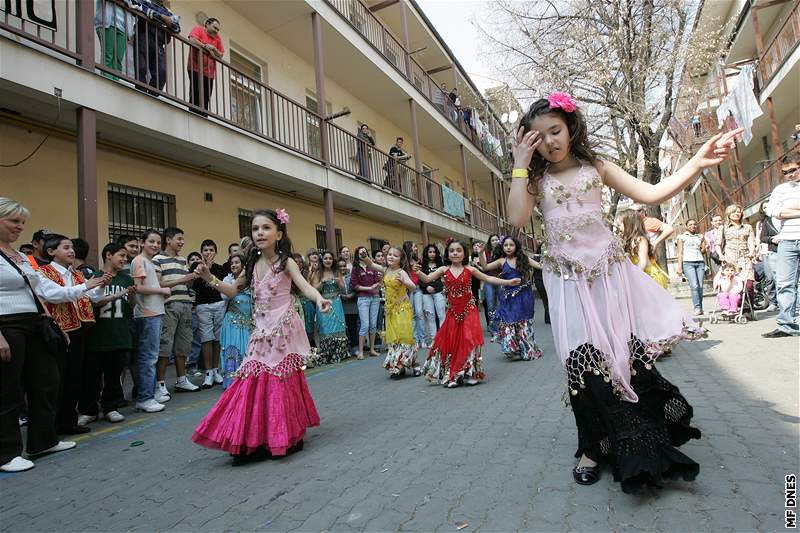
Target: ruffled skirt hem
[(438, 369), (399, 357), (516, 339)]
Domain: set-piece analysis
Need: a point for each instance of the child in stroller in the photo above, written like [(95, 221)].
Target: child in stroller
[(730, 289)]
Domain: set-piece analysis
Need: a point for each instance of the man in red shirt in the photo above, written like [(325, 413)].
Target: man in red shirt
[(201, 77)]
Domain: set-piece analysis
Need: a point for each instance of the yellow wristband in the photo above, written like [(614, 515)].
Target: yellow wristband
[(519, 173)]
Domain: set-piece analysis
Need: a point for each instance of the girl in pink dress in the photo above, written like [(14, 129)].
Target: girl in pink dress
[(610, 320), (267, 407)]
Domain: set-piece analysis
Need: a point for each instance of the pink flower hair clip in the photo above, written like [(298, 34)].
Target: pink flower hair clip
[(563, 100), (283, 216)]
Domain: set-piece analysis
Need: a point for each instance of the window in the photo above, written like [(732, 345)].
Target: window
[(313, 133), (321, 241), (132, 211), (246, 95), (245, 216), (375, 244)]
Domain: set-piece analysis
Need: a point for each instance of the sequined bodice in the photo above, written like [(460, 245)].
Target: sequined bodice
[(396, 293), (240, 309), (271, 297), (330, 289), (459, 293), (578, 244)]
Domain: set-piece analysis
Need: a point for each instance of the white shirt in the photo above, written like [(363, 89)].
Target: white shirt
[(782, 196), (14, 292), (691, 246), (53, 293)]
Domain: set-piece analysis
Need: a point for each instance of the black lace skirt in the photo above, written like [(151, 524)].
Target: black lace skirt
[(638, 440)]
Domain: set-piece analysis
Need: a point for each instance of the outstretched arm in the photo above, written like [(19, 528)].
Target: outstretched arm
[(433, 276), (712, 153), (375, 266), (406, 280), (491, 279), (666, 232), (228, 289), (535, 264), (305, 287)]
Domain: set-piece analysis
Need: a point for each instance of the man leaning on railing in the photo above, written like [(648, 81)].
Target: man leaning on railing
[(152, 37)]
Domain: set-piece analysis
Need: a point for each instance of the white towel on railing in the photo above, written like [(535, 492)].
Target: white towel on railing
[(741, 103)]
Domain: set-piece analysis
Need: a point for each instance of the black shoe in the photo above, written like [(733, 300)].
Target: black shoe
[(74, 430), (585, 475), (294, 449), (776, 334)]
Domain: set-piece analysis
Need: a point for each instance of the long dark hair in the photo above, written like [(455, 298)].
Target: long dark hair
[(579, 145), (437, 259), (465, 260), (523, 266), (283, 247), (408, 249)]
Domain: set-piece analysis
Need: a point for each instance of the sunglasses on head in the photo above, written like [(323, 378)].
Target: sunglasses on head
[(790, 170)]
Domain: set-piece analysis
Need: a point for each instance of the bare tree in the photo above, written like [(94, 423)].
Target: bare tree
[(622, 59)]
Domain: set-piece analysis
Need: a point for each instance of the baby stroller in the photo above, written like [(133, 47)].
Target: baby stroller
[(745, 310)]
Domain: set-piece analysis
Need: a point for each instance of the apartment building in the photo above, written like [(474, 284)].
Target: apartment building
[(128, 146), (762, 49)]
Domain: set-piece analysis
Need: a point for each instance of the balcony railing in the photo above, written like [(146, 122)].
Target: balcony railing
[(358, 15), (235, 98), (754, 189), (784, 43)]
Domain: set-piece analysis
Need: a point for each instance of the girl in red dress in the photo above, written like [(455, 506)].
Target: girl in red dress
[(455, 356)]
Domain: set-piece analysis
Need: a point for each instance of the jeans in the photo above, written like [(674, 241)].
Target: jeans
[(434, 306), (368, 315), (695, 272), (787, 269), (149, 330), (419, 316), (490, 294), (768, 282)]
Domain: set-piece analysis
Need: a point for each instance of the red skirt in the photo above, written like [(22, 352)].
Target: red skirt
[(457, 340)]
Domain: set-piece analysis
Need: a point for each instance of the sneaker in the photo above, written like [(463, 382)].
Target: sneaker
[(698, 312), (86, 419), (149, 406), (23, 420), (771, 309), (61, 446), (114, 417), (17, 464), (451, 384), (209, 381), (193, 371), (471, 381), (218, 377), (186, 386), (161, 394)]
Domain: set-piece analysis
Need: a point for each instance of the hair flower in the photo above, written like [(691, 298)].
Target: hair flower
[(563, 100), (283, 216)]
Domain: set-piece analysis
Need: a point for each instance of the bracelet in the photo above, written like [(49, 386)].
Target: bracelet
[(215, 281), (519, 173)]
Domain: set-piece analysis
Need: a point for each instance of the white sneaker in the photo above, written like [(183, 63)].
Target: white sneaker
[(209, 381), (85, 419), (186, 386), (471, 381), (17, 464), (771, 309), (114, 417), (161, 394), (150, 406), (61, 446), (218, 377)]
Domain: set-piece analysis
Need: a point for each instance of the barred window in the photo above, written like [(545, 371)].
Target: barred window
[(376, 244), (131, 211), (321, 241), (245, 216)]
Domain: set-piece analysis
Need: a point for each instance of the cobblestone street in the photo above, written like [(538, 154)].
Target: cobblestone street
[(415, 457)]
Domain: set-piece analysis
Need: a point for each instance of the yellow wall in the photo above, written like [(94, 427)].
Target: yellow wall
[(47, 185)]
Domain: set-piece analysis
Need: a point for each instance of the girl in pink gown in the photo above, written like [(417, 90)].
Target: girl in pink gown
[(610, 320), (267, 407)]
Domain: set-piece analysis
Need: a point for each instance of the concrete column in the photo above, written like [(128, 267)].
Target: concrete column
[(87, 180), (464, 170), (330, 222), (85, 35), (423, 228), (412, 107)]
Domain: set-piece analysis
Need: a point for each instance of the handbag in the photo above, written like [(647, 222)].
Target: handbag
[(51, 332)]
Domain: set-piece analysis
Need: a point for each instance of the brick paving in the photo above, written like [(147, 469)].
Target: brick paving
[(407, 456)]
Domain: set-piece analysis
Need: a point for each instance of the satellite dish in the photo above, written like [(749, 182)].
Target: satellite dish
[(504, 118), (513, 116)]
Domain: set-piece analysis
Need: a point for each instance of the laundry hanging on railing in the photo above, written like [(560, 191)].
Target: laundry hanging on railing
[(453, 202), (741, 103)]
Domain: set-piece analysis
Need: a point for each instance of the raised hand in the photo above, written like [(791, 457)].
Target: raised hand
[(324, 305), (203, 272), (715, 150), (524, 146)]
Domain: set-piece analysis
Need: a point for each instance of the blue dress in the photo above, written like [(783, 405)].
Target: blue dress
[(332, 326), (235, 334), (513, 318)]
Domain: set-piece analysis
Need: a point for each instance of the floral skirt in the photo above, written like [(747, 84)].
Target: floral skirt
[(638, 440), (517, 340), (333, 348), (399, 357), (437, 368)]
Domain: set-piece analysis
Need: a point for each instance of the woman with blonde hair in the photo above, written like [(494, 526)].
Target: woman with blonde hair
[(738, 244)]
